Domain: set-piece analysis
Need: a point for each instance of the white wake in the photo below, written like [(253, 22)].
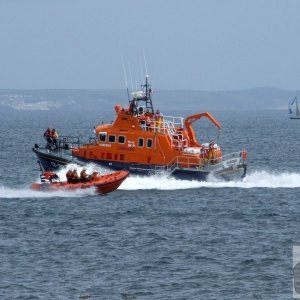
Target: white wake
[(6, 192), (258, 179)]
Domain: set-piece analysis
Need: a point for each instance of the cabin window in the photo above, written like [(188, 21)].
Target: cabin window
[(141, 142), (112, 138), (122, 156), (149, 143), (102, 137), (116, 156), (121, 139)]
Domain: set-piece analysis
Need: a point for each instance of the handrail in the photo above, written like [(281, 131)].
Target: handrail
[(228, 160), (71, 141), (174, 120), (168, 127), (64, 143)]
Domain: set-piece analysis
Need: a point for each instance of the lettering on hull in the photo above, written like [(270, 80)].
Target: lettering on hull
[(124, 148)]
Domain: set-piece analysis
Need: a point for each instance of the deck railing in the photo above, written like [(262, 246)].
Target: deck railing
[(168, 125), (188, 162), (63, 143)]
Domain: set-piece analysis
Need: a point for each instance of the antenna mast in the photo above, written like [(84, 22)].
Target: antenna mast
[(125, 78), (148, 92)]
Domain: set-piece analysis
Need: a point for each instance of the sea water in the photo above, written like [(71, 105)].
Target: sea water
[(155, 237)]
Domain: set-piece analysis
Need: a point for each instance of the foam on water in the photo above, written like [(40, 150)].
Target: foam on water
[(7, 193), (258, 179)]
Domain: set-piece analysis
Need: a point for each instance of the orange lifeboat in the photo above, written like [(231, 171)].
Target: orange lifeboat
[(104, 184), (142, 140)]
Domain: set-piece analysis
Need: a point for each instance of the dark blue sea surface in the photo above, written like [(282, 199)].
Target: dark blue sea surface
[(155, 237)]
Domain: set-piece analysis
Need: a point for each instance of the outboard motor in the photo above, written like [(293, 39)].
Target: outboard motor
[(49, 176), (43, 178)]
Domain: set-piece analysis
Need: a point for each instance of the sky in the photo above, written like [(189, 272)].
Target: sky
[(187, 44)]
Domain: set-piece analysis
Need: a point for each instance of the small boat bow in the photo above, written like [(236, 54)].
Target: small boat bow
[(104, 184)]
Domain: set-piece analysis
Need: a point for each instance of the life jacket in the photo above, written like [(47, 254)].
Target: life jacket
[(244, 154), (148, 120), (93, 176), (75, 174), (83, 174), (47, 133), (69, 175), (204, 153)]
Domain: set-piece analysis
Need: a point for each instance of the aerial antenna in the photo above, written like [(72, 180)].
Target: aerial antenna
[(125, 78), (141, 70), (145, 62), (130, 77)]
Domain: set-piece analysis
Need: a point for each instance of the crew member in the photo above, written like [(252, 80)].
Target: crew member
[(133, 108), (54, 137), (148, 123), (93, 176), (69, 176), (212, 153), (47, 137), (143, 121), (84, 176), (158, 118), (75, 177), (204, 155)]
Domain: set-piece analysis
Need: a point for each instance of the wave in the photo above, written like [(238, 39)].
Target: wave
[(258, 179), (8, 193)]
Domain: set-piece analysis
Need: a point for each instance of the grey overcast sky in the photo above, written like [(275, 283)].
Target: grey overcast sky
[(188, 44)]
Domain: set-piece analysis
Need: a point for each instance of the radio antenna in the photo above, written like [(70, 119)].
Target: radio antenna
[(145, 62), (125, 78), (130, 77), (141, 70)]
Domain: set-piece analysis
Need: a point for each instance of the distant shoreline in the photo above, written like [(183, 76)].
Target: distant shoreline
[(84, 99)]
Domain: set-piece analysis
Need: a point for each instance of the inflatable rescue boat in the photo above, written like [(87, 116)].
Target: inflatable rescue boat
[(104, 184)]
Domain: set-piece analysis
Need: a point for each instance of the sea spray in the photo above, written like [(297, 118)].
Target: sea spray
[(257, 179), (9, 193)]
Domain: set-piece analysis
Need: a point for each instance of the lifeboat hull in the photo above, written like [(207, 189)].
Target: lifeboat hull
[(104, 184), (52, 161)]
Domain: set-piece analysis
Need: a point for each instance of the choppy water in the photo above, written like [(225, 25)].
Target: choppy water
[(154, 238)]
